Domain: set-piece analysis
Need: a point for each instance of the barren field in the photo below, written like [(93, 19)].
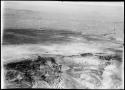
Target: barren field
[(87, 61), (62, 45)]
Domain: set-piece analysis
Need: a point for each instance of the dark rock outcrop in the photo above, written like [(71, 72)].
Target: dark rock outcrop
[(43, 68)]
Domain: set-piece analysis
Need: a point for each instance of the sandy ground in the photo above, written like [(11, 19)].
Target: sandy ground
[(11, 53)]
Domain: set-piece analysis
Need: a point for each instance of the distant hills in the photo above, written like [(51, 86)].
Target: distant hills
[(45, 36), (24, 25), (30, 36), (86, 20)]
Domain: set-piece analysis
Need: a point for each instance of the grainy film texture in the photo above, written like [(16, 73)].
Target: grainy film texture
[(67, 45)]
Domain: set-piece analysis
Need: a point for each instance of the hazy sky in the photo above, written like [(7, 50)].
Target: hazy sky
[(38, 5), (82, 16), (56, 3)]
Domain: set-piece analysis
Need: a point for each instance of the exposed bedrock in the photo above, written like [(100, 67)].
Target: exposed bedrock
[(85, 71)]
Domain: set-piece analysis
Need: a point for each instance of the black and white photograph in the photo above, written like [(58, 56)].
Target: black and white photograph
[(62, 45)]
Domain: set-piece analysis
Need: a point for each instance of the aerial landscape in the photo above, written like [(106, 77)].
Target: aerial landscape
[(62, 45)]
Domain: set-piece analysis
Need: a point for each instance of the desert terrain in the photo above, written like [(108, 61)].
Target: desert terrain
[(59, 47)]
